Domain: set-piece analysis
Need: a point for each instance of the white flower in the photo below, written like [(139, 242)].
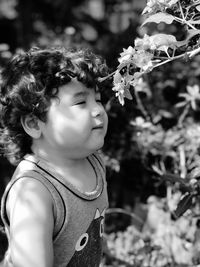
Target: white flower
[(126, 54)]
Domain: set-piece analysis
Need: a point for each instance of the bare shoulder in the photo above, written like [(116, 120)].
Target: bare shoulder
[(28, 192), (30, 212)]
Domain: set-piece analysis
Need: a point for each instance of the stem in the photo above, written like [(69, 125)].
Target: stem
[(141, 107), (187, 11), (169, 196), (183, 20), (123, 211), (166, 61), (193, 53), (189, 54), (183, 170), (190, 25), (183, 115), (108, 76), (182, 14), (178, 19)]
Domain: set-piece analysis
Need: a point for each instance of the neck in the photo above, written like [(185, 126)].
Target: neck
[(57, 159)]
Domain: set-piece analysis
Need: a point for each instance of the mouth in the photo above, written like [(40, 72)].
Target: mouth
[(98, 127)]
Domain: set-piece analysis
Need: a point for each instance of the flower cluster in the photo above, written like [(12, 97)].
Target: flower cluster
[(134, 62), (153, 51), (158, 5)]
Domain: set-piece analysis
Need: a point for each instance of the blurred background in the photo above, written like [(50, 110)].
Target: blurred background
[(147, 133)]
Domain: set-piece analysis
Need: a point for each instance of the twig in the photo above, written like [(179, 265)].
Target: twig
[(195, 52), (183, 115), (108, 76), (183, 169), (182, 14), (141, 106), (123, 211)]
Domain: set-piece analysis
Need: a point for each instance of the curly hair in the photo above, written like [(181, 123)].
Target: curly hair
[(30, 80)]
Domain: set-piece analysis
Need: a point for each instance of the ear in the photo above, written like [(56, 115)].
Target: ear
[(31, 125)]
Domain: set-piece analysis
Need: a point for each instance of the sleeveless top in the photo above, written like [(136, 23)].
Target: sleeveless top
[(78, 216)]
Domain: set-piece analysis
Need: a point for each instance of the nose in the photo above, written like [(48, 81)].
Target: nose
[(97, 110)]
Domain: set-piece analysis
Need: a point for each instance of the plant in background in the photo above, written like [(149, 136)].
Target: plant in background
[(162, 242), (153, 51), (165, 148), (178, 144)]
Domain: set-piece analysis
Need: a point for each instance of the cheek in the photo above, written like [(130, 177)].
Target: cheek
[(71, 126), (106, 122)]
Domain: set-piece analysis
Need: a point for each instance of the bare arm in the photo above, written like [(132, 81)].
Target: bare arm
[(30, 210)]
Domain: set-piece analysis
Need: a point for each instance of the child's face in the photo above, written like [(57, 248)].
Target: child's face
[(76, 121)]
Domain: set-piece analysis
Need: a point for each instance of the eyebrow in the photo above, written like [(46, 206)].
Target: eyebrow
[(84, 93), (80, 94)]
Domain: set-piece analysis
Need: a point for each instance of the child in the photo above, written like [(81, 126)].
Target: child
[(53, 125)]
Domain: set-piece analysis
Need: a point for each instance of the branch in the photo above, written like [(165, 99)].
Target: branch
[(195, 52)]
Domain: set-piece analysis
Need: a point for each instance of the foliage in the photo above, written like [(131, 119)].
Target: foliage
[(165, 129), (7, 9), (153, 51), (162, 241)]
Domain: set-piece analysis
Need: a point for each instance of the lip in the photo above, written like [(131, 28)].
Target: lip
[(98, 127)]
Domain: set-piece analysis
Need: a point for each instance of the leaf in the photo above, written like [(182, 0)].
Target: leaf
[(193, 90), (163, 41), (193, 105), (163, 48), (127, 54), (159, 17), (129, 78), (127, 93), (198, 8), (165, 113), (184, 95), (124, 64), (184, 204), (194, 21), (117, 77), (121, 99), (173, 178), (191, 33), (181, 104)]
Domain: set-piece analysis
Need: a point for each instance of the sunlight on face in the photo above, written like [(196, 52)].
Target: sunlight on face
[(76, 120)]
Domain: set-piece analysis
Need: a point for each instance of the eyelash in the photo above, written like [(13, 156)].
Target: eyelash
[(83, 102)]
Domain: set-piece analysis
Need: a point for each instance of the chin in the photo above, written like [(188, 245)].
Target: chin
[(98, 146)]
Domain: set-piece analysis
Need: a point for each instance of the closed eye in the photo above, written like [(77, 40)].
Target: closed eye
[(80, 103)]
